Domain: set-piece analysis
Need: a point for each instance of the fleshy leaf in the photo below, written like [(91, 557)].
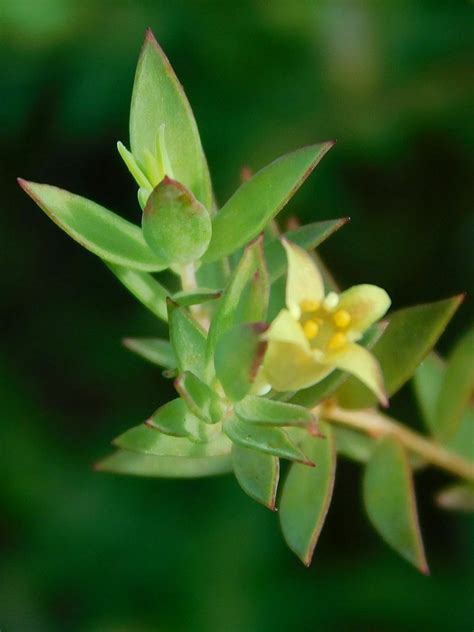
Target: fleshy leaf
[(158, 99), (259, 199), (260, 410), (176, 227), (390, 502), (144, 287), (99, 230), (458, 497), (307, 494), (155, 350), (188, 340), (307, 237), (198, 296), (175, 419), (148, 440), (257, 474), (352, 444), (237, 358), (266, 439), (457, 388), (409, 336), (253, 304), (427, 383), (125, 462), (201, 400)]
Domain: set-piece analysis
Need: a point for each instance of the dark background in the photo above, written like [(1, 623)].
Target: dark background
[(97, 553)]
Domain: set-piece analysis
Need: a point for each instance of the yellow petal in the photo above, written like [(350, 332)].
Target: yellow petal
[(304, 281), (286, 329), (365, 304), (362, 364), (288, 367)]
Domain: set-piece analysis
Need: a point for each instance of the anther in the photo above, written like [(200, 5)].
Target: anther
[(337, 341), (310, 329), (342, 318)]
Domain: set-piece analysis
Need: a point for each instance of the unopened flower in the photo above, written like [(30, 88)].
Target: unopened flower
[(318, 333)]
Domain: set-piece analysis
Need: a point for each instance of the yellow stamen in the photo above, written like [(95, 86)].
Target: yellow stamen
[(342, 318), (310, 329), (309, 305), (337, 341)]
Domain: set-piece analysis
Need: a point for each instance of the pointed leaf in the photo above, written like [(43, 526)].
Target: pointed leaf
[(253, 304), (99, 230), (457, 388), (147, 440), (260, 410), (188, 340), (390, 502), (144, 287), (257, 474), (176, 420), (198, 296), (458, 497), (124, 462), (352, 444), (306, 496), (409, 336), (238, 355), (259, 199), (155, 350), (176, 227), (427, 383), (201, 400), (158, 99), (268, 440)]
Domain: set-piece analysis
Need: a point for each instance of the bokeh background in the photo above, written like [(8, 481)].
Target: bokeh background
[(392, 81)]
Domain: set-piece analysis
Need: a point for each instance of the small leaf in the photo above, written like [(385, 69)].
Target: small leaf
[(458, 497), (155, 350), (176, 227), (201, 400), (188, 340), (259, 199), (268, 440), (124, 462), (308, 237), (457, 388), (462, 442), (158, 99), (176, 420), (147, 440), (257, 474), (253, 304), (306, 496), (427, 383), (144, 287), (390, 502), (409, 336), (99, 230), (260, 410), (352, 444), (238, 356), (198, 296)]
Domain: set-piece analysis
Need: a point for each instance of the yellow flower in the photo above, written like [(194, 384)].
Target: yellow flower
[(318, 333)]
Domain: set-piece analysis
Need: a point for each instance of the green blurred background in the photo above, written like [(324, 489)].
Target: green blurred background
[(392, 81)]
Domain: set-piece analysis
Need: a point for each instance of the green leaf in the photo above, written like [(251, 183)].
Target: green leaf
[(147, 440), (457, 388), (124, 462), (238, 355), (259, 199), (306, 496), (458, 497), (155, 350), (158, 99), (176, 420), (144, 287), (253, 304), (268, 440), (257, 474), (201, 400), (188, 340), (260, 410), (200, 295), (390, 502), (427, 383), (99, 230), (352, 444), (227, 313), (462, 442), (308, 237), (175, 225), (408, 338)]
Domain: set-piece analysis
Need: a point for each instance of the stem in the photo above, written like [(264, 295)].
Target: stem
[(189, 283), (375, 424)]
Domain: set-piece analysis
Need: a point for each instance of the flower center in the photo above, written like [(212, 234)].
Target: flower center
[(323, 324)]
